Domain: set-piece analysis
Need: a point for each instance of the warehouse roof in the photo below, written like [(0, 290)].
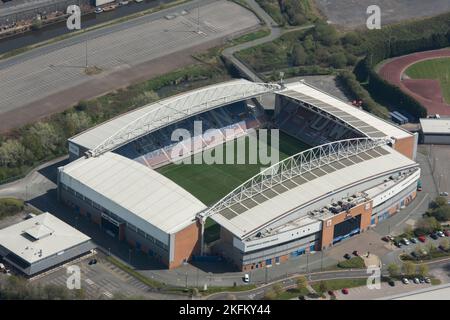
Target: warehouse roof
[(249, 215), (362, 121), (435, 126), (134, 192), (40, 237), (133, 124)]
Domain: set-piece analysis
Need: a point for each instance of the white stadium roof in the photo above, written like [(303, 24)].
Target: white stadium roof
[(302, 179), (40, 237), (435, 126), (364, 122), (134, 192), (134, 124)]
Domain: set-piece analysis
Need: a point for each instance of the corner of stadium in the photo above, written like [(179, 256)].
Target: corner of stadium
[(341, 171)]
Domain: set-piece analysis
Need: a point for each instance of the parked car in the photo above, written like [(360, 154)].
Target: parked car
[(447, 233), (98, 10), (443, 194), (405, 281), (440, 234), (398, 244), (391, 283), (29, 216), (92, 261), (416, 280), (246, 278), (331, 292), (427, 280), (422, 238), (414, 240), (434, 236), (356, 253), (345, 291), (405, 241), (391, 238), (422, 280), (423, 252), (347, 256)]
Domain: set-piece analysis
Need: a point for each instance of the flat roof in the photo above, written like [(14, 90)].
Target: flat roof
[(366, 123), (204, 98), (132, 191), (435, 126), (250, 215), (39, 237)]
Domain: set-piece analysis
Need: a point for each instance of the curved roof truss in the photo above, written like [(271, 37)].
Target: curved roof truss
[(294, 166), (184, 106)]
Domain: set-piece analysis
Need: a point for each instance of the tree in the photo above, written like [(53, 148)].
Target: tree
[(338, 60), (326, 34), (302, 283), (270, 295), (12, 153), (422, 269), (308, 42), (442, 213), (299, 55), (427, 225), (439, 202), (351, 38), (323, 286), (393, 269), (277, 288), (409, 268), (444, 243)]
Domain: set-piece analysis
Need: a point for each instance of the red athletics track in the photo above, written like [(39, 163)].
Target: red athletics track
[(427, 92)]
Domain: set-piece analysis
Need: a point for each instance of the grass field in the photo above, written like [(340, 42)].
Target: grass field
[(438, 69), (210, 183)]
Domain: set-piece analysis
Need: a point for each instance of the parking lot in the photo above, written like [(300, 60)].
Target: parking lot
[(364, 293), (103, 280)]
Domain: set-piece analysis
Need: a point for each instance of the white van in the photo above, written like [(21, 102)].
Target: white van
[(246, 278)]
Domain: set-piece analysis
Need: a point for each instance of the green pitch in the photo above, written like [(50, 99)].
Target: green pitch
[(438, 69), (210, 183)]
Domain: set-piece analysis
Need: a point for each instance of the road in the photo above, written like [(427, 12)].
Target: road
[(275, 32), (290, 282), (52, 78)]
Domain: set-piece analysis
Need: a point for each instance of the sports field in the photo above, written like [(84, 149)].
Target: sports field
[(437, 69), (209, 183)]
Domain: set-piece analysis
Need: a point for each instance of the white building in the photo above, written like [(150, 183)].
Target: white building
[(41, 243)]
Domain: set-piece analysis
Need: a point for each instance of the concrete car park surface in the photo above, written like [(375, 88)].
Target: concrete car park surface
[(351, 13), (103, 280), (52, 78), (364, 293)]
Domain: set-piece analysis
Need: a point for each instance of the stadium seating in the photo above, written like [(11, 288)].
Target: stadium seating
[(310, 127), (158, 149)]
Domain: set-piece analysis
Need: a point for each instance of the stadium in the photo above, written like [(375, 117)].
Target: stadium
[(341, 171)]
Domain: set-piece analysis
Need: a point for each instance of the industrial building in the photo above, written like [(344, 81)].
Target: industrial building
[(41, 243), (360, 171), (435, 130)]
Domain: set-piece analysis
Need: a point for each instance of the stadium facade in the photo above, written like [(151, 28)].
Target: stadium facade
[(360, 172)]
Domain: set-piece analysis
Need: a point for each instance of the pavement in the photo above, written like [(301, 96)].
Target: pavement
[(52, 78), (275, 32), (104, 280)]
